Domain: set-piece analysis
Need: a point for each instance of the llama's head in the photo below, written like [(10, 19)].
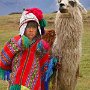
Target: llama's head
[(65, 5)]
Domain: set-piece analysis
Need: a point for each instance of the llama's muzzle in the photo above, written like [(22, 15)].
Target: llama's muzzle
[(62, 8)]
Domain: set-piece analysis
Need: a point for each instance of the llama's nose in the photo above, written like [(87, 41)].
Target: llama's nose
[(61, 5), (62, 8)]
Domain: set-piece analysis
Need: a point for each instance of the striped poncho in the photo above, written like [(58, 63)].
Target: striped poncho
[(26, 68)]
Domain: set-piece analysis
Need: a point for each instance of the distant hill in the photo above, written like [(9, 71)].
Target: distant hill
[(15, 13)]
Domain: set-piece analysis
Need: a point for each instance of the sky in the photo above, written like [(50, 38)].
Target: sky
[(47, 6)]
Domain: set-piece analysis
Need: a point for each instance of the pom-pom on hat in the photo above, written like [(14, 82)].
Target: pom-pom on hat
[(33, 14)]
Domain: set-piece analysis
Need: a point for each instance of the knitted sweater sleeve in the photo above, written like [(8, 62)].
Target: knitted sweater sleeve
[(11, 48)]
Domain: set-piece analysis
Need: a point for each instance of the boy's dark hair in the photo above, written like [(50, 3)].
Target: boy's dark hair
[(32, 24)]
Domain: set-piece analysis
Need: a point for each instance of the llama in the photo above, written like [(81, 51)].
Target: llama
[(67, 44)]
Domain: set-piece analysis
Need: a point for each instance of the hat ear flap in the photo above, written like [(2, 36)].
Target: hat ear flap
[(42, 30), (42, 25)]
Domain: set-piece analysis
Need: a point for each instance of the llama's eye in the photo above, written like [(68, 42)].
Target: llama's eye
[(72, 3)]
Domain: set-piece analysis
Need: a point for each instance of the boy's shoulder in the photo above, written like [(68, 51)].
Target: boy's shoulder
[(17, 37)]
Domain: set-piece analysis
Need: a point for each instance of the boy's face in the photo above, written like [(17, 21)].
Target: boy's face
[(31, 32)]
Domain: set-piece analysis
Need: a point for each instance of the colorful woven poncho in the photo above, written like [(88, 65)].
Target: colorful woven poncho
[(26, 68)]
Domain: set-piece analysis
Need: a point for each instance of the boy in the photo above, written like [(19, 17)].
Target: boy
[(25, 61)]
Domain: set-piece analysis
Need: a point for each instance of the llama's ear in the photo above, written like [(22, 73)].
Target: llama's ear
[(81, 8)]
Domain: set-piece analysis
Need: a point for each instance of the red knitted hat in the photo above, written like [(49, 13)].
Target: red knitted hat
[(37, 12)]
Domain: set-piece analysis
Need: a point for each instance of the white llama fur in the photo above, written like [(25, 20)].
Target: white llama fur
[(67, 44)]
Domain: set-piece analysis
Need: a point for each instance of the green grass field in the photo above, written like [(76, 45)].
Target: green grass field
[(9, 26)]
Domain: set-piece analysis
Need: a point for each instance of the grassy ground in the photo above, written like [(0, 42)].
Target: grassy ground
[(9, 27), (84, 80)]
